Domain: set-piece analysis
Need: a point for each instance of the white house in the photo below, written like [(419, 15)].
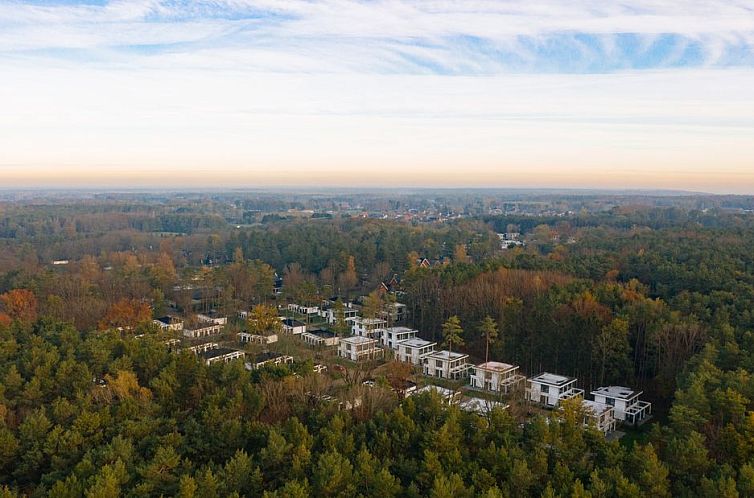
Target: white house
[(169, 323), (357, 348), (268, 358), (212, 318), (330, 314), (395, 312), (414, 350), (217, 355), (598, 415), (203, 348), (446, 365), (496, 376), (367, 327), (550, 389), (247, 338), (303, 309), (628, 408), (323, 338), (291, 326), (205, 330), (391, 336), (480, 406), (448, 395)]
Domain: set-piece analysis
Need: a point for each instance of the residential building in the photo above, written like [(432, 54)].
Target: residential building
[(446, 365), (367, 327), (303, 309), (247, 338), (357, 348), (449, 396), (496, 376), (217, 355), (213, 317), (169, 323), (629, 409), (268, 358), (480, 406), (414, 350), (331, 317), (202, 330), (391, 336), (599, 415), (395, 312), (291, 326), (550, 389), (203, 348), (323, 338)]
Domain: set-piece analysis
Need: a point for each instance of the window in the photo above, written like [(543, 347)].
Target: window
[(544, 388), (610, 401), (438, 363)]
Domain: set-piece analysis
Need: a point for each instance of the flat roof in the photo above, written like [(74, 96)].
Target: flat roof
[(358, 339), (168, 320), (416, 342), (479, 405), (594, 407), (291, 322), (447, 355), (214, 353), (442, 391), (617, 392), (267, 355), (400, 330), (553, 379), (369, 321), (496, 366), (324, 334)]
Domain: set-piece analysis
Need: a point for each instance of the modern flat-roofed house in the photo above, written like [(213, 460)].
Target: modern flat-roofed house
[(203, 348), (598, 415), (550, 389), (496, 376), (303, 309), (268, 358), (414, 350), (247, 338), (291, 326), (357, 348), (217, 355), (446, 365), (391, 336), (213, 317), (202, 330), (367, 327), (628, 408), (169, 323), (480, 406), (330, 314), (449, 396), (321, 338), (395, 312)]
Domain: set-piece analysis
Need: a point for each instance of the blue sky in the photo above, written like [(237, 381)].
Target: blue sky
[(580, 93)]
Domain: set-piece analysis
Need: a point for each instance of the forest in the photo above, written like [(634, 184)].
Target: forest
[(93, 404)]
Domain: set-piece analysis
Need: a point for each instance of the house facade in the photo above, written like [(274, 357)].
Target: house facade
[(206, 330), (220, 355), (496, 376), (169, 323), (599, 416), (629, 409), (414, 350), (391, 336), (549, 389), (367, 327), (359, 348), (446, 365), (291, 326), (320, 338), (268, 358), (247, 338)]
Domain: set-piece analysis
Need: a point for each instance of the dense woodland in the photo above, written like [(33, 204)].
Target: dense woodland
[(656, 298)]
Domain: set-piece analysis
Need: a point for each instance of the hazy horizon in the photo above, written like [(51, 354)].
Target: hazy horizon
[(394, 94)]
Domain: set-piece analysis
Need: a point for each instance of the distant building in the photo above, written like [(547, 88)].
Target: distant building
[(294, 327), (367, 327), (446, 365), (550, 389), (268, 358), (357, 348), (598, 415), (480, 406), (321, 338), (391, 336), (449, 396), (203, 348), (200, 331), (247, 338), (169, 323), (496, 376), (217, 355), (303, 309), (213, 317), (628, 408), (414, 350)]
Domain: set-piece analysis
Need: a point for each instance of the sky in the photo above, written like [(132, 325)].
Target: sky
[(651, 94)]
